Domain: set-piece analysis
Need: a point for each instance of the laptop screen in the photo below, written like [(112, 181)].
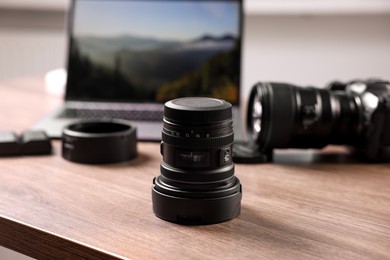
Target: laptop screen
[(151, 51)]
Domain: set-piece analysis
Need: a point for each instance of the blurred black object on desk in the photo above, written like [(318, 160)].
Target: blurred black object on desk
[(356, 114)]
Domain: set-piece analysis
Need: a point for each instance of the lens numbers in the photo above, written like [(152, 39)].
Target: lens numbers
[(191, 134)]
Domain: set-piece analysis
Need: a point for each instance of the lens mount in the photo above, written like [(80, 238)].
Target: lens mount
[(99, 141)]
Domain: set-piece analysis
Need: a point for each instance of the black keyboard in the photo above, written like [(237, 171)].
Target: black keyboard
[(136, 115)]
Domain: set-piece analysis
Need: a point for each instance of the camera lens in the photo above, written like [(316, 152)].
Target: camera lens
[(294, 117), (197, 183)]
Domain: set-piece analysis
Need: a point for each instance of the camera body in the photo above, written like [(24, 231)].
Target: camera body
[(355, 113), (374, 95)]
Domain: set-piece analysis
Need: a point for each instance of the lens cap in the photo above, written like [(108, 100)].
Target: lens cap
[(99, 142), (193, 110)]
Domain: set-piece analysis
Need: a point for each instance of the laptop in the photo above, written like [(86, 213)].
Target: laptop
[(126, 58)]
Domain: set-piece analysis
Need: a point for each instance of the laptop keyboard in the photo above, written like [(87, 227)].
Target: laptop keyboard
[(136, 115)]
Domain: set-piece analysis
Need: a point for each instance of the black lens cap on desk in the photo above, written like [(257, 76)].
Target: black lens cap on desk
[(99, 142)]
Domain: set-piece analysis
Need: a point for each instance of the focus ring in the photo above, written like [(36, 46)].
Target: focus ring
[(211, 143)]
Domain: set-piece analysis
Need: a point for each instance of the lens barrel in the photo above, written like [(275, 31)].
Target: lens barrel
[(197, 183), (294, 117)]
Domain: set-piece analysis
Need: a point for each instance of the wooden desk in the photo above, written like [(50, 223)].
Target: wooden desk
[(305, 205)]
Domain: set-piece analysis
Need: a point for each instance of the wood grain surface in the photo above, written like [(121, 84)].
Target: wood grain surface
[(306, 205)]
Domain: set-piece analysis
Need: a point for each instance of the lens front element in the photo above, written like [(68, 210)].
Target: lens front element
[(257, 113)]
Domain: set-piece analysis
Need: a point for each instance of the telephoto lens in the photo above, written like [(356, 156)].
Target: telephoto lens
[(197, 183), (286, 116), (355, 114)]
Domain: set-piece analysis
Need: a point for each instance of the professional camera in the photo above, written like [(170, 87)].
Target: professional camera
[(356, 114), (197, 183)]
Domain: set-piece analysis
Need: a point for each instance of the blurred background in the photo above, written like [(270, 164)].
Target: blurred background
[(309, 42), (297, 41)]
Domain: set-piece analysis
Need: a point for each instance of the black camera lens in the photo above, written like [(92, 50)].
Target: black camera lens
[(286, 116), (197, 183)]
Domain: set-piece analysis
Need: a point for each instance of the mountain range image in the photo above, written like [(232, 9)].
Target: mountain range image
[(133, 43), (151, 66)]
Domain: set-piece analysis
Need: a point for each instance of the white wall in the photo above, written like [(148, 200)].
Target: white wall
[(297, 49), (24, 53), (315, 49)]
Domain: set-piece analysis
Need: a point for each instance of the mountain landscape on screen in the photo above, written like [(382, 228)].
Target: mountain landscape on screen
[(146, 68)]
